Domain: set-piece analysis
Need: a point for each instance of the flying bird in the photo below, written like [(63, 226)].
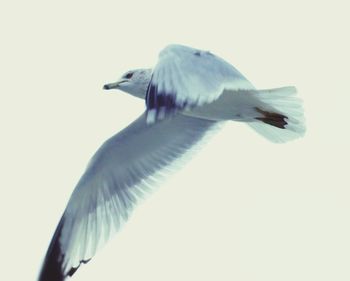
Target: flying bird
[(188, 94)]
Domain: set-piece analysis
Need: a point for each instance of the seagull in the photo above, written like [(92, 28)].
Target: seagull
[(188, 94)]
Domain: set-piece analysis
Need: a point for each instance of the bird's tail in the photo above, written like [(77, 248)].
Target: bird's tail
[(281, 116)]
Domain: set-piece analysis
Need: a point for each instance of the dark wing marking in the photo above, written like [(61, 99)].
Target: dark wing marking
[(52, 267)]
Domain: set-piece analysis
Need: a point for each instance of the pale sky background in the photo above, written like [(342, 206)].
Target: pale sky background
[(243, 209)]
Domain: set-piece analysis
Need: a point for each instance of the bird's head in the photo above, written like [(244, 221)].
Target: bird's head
[(134, 82)]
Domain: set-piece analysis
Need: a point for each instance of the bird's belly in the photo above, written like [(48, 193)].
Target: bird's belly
[(230, 106)]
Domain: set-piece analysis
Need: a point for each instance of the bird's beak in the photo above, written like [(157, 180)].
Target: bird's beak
[(114, 85)]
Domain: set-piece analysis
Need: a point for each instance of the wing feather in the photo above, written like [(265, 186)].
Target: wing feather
[(121, 172), (185, 77)]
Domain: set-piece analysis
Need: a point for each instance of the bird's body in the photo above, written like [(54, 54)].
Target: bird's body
[(187, 94)]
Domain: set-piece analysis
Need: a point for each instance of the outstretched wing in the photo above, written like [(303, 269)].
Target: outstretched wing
[(121, 171), (185, 77)]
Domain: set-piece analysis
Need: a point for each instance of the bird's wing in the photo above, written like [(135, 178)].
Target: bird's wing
[(119, 174), (185, 77)]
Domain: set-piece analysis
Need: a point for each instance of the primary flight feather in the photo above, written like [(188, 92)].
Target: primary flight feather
[(188, 94)]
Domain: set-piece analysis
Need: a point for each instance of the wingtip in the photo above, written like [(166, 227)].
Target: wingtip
[(52, 266)]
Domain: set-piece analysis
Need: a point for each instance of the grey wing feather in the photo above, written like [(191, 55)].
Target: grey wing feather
[(119, 174), (185, 77)]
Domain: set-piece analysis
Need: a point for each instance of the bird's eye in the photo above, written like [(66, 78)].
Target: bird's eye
[(129, 75)]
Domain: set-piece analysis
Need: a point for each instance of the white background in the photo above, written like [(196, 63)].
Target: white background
[(243, 209)]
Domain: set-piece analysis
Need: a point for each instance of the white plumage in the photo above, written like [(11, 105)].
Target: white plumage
[(193, 91)]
